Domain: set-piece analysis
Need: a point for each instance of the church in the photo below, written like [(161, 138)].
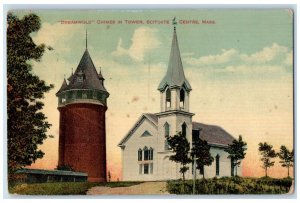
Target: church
[(145, 151)]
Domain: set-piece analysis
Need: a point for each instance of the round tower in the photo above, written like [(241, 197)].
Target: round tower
[(82, 135)]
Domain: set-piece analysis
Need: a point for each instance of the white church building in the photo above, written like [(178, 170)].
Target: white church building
[(145, 151)]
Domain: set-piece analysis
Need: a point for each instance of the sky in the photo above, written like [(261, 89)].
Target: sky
[(240, 67)]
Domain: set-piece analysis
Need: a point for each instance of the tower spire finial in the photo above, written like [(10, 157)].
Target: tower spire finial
[(86, 39), (174, 23)]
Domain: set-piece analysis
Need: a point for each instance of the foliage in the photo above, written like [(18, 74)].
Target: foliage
[(287, 158), (267, 153), (233, 185), (65, 168), (236, 152), (26, 124), (181, 147), (63, 188), (201, 151)]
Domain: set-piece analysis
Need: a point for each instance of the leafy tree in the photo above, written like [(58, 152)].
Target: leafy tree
[(201, 151), (26, 124), (181, 147), (287, 158), (267, 153), (236, 152), (65, 168)]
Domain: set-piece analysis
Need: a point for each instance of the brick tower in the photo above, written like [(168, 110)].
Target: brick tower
[(82, 106)]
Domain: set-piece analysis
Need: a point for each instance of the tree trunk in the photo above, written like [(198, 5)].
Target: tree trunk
[(183, 183), (266, 169), (288, 171)]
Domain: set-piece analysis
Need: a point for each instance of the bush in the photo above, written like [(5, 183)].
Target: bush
[(233, 185)]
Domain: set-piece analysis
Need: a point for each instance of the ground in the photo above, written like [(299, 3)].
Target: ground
[(146, 188)]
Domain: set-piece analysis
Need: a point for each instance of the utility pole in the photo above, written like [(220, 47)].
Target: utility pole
[(195, 175)]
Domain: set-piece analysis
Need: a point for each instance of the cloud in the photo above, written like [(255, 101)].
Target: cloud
[(57, 35), (143, 40), (224, 57), (270, 59)]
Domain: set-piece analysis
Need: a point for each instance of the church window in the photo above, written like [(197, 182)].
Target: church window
[(84, 95), (182, 95), (146, 168), (146, 154), (217, 165), (183, 129), (140, 155), (168, 98), (150, 154), (167, 133), (146, 133)]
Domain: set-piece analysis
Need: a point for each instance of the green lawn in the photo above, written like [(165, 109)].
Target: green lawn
[(62, 188)]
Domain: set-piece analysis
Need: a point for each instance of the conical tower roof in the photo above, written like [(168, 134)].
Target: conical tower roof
[(87, 71), (63, 86), (175, 75)]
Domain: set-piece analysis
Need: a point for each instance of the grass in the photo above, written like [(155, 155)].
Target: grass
[(232, 185), (62, 188)]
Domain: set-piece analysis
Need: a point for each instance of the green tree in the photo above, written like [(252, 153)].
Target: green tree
[(181, 147), (287, 158), (26, 124), (268, 153), (201, 151), (236, 152)]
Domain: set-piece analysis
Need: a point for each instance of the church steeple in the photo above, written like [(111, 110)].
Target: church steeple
[(175, 75), (174, 87)]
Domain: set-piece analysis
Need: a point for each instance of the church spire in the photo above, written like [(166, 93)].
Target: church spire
[(175, 75)]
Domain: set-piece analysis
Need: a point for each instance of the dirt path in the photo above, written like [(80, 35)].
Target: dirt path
[(147, 188)]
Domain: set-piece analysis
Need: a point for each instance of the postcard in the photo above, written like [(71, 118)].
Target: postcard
[(150, 101)]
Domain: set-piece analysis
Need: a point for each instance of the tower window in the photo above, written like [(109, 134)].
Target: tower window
[(183, 129), (182, 95), (217, 165), (168, 98)]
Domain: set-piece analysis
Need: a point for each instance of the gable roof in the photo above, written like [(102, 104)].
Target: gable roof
[(151, 117), (213, 134), (175, 75)]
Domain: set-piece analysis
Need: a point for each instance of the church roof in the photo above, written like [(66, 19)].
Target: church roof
[(214, 135), (87, 70), (175, 74)]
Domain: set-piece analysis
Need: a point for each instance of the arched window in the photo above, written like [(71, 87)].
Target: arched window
[(150, 153), (146, 154), (140, 155), (168, 98), (217, 165), (167, 133), (183, 129), (182, 96)]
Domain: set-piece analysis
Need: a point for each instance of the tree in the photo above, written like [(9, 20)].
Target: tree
[(26, 124), (236, 152), (201, 151), (287, 158), (181, 147), (267, 153), (109, 176)]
